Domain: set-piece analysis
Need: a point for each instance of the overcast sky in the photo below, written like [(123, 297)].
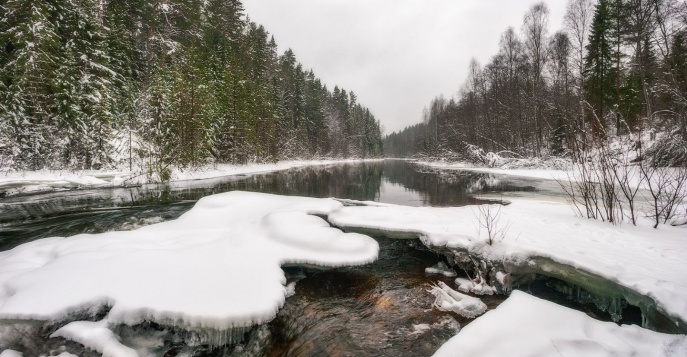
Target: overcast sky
[(396, 55)]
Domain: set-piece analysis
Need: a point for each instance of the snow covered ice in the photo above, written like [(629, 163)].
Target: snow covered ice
[(448, 299), (645, 266), (524, 325), (230, 248), (217, 267)]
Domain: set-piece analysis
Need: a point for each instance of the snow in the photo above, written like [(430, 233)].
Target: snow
[(537, 173), (34, 181), (469, 286), (13, 182), (10, 353), (217, 267), (524, 325), (440, 268), (447, 299), (96, 336), (643, 265)]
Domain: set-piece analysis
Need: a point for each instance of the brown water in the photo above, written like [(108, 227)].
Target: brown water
[(381, 309)]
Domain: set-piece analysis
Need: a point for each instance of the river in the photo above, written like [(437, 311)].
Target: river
[(382, 309)]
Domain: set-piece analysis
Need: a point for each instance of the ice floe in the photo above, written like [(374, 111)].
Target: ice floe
[(217, 267), (645, 266)]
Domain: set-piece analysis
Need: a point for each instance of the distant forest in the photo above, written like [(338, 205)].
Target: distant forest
[(618, 66), (161, 84)]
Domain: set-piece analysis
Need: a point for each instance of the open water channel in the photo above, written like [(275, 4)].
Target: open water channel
[(382, 309)]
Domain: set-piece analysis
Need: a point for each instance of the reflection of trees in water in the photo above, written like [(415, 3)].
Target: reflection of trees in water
[(354, 181), (95, 211), (439, 188), (448, 187)]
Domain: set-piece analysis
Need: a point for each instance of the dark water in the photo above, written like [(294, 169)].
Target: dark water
[(381, 309), (27, 217)]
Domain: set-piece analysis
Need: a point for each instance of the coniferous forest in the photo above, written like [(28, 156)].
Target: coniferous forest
[(617, 67), (161, 84)]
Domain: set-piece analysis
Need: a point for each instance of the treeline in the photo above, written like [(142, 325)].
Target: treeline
[(617, 66), (161, 84)]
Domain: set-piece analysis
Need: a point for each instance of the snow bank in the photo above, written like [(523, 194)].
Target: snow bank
[(217, 266), (554, 173), (49, 180), (253, 168), (645, 266), (527, 326), (12, 182)]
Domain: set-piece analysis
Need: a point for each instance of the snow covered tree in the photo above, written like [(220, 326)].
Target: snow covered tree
[(30, 80)]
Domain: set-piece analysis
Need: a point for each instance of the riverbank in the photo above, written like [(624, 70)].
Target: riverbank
[(621, 264), (22, 182), (639, 264)]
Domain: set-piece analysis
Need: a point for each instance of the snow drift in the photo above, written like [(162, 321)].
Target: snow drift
[(524, 325)]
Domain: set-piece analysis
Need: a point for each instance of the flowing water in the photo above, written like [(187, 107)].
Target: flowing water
[(381, 309)]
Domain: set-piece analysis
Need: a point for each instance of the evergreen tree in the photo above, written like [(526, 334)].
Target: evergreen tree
[(158, 85), (599, 64), (30, 80)]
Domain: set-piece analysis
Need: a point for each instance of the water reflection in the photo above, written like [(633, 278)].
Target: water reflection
[(381, 309), (28, 217)]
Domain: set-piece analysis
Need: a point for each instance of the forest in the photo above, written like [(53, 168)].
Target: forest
[(153, 85), (617, 67)]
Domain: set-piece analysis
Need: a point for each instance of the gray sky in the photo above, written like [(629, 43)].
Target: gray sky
[(396, 55)]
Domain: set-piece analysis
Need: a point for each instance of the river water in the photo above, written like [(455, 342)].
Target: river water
[(382, 309)]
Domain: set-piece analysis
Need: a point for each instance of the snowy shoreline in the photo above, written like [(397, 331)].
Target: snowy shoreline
[(639, 264), (23, 182), (645, 266)]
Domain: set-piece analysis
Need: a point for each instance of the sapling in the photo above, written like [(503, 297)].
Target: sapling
[(489, 218)]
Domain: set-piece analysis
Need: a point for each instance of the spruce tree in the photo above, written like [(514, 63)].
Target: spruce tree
[(600, 72)]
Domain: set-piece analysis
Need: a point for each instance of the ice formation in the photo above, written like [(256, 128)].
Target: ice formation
[(480, 288), (645, 266), (216, 268), (524, 325), (447, 299), (441, 268), (96, 336)]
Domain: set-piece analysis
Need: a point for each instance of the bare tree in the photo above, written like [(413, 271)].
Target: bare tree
[(578, 19), (535, 29), (667, 14), (489, 217)]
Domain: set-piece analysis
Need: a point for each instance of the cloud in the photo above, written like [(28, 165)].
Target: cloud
[(396, 55)]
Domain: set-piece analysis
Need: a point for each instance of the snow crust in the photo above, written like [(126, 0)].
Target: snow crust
[(524, 325), (218, 266), (650, 262)]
